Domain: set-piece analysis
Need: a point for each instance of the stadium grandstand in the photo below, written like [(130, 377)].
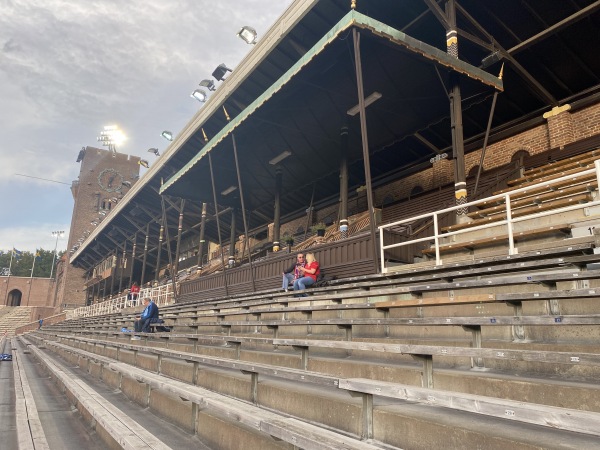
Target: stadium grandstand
[(449, 151)]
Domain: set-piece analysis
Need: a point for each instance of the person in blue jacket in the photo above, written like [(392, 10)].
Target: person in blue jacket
[(149, 313)]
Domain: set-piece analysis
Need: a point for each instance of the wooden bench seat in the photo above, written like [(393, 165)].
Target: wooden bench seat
[(563, 418), (29, 427), (575, 177), (570, 419), (533, 200), (294, 431), (549, 177), (581, 162), (561, 229), (120, 426), (520, 212)]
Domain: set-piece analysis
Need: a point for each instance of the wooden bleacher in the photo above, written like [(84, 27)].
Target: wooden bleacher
[(545, 195), (490, 351)]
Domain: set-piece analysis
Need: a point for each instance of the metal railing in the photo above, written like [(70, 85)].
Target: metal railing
[(508, 222), (161, 295)]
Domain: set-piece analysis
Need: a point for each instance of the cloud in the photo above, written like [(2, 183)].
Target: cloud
[(30, 238), (68, 68)]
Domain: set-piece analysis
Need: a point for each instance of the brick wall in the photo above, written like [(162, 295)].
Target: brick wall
[(90, 194), (561, 128)]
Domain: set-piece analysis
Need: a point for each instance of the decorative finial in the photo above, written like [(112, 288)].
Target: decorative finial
[(204, 134), (353, 4), (226, 115), (501, 71)]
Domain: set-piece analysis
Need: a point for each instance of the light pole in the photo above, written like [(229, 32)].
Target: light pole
[(57, 234)]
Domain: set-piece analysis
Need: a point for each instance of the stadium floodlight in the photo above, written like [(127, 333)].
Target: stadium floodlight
[(220, 72), (208, 84), (199, 95), (247, 34)]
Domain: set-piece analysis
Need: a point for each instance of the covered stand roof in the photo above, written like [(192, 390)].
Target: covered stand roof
[(294, 89), (305, 109)]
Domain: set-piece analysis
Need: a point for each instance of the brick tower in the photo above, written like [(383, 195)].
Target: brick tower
[(104, 177)]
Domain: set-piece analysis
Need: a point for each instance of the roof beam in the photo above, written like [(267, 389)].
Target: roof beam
[(438, 12), (540, 90), (581, 14), (428, 144)]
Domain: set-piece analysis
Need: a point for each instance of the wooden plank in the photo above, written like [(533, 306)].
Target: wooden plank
[(582, 161), (430, 301), (125, 430), (591, 359), (296, 432), (29, 428), (547, 416), (310, 437), (517, 236)]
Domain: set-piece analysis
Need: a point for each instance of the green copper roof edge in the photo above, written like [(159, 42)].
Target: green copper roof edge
[(353, 18)]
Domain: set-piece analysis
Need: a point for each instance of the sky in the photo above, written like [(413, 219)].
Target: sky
[(68, 68)]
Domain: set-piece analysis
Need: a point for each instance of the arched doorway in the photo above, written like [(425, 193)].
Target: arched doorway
[(14, 298)]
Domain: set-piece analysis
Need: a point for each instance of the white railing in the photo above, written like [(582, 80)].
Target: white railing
[(509, 222), (161, 295)]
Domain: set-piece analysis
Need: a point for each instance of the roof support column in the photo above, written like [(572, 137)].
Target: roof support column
[(212, 180), (158, 252), (201, 240), (365, 143), (344, 181), (132, 258), (178, 246), (247, 238), (122, 266), (114, 269), (169, 270), (103, 291), (145, 256), (277, 212), (232, 238), (87, 295), (456, 122), (94, 294)]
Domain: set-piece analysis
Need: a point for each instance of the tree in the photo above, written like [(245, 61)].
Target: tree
[(22, 264)]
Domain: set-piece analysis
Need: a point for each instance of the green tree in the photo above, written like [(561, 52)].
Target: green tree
[(22, 264)]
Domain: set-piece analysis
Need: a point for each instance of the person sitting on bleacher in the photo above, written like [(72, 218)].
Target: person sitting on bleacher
[(148, 316), (308, 275), (292, 273)]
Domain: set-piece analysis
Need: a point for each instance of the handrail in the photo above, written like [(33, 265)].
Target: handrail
[(508, 222), (161, 295)]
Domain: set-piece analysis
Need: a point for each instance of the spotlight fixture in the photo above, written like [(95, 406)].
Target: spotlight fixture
[(167, 135), (208, 84), (199, 95), (144, 163), (154, 150), (220, 72), (247, 34), (229, 190), (369, 100), (280, 157)]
